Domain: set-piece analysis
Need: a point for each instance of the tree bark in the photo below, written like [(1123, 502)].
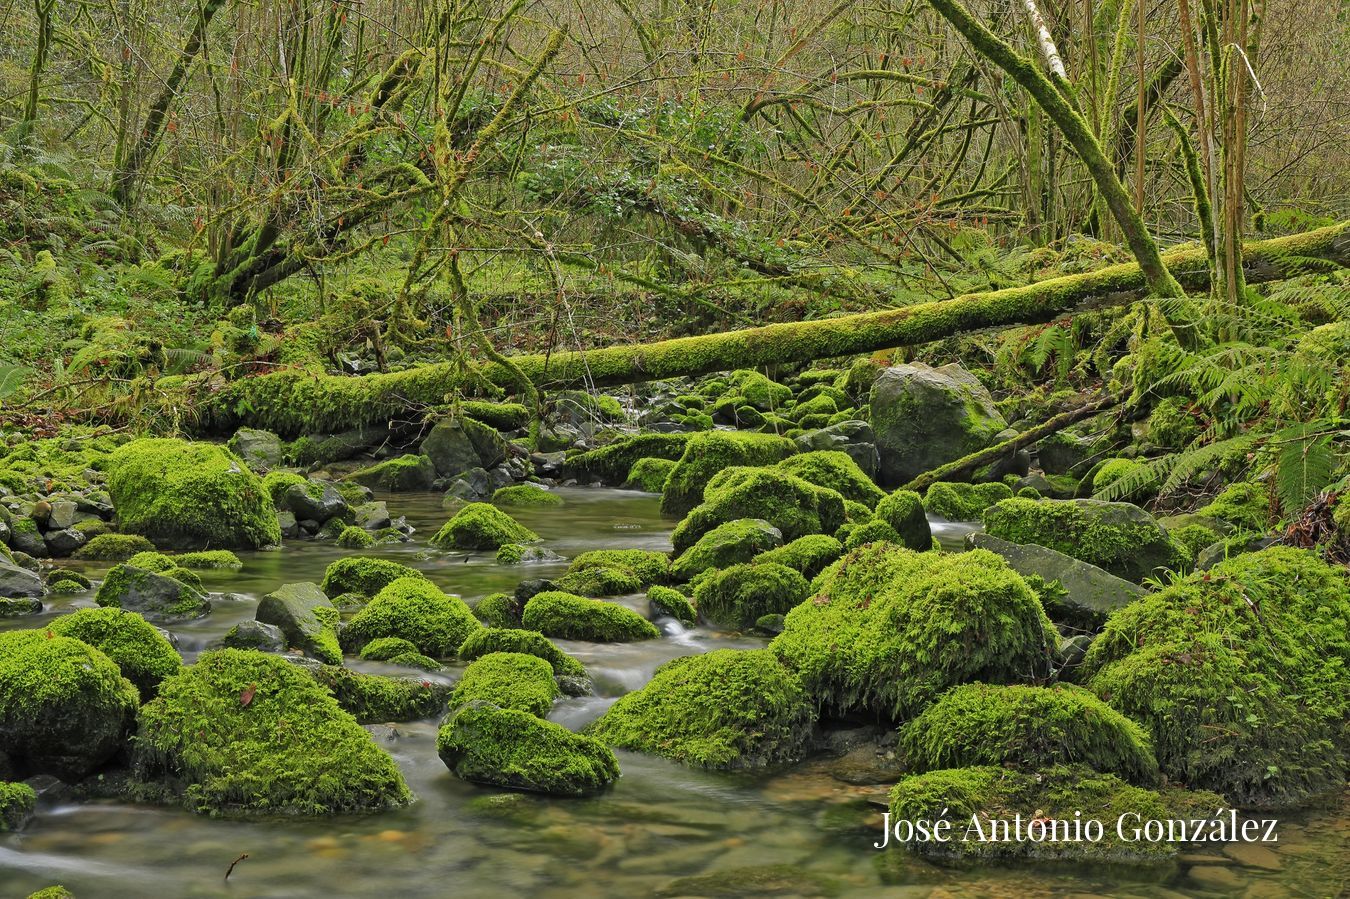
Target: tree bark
[(300, 401)]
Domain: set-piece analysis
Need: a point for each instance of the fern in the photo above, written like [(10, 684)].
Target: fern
[(1305, 464)]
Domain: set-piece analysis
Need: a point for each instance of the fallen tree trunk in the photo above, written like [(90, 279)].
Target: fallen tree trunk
[(299, 401)]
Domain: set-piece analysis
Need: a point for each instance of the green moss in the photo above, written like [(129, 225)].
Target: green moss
[(186, 602), (647, 566), (142, 653), (514, 749), (525, 495), (759, 391), (738, 596), (874, 531), (1241, 676), (1027, 728), (502, 416), (722, 709), (375, 699), (52, 892), (353, 537), (1195, 537), (611, 464), (364, 575), (190, 493), (17, 803), (75, 579), (510, 554), (808, 555), (401, 473), (963, 502), (596, 582), (65, 708), (1171, 424), (649, 474), (382, 649), (1113, 470), (508, 680), (568, 617), (513, 640), (290, 749), (1245, 505), (793, 506), (416, 610), (903, 511), (113, 547), (276, 483), (498, 610), (1118, 537), (481, 526), (708, 453), (726, 544), (837, 471), (208, 560), (1058, 793), (672, 603), (890, 629)]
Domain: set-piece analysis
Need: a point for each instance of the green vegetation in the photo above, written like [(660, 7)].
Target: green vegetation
[(17, 802), (416, 610), (794, 506), (142, 653), (569, 617), (903, 511), (508, 680), (808, 555), (650, 474), (364, 575), (525, 495), (510, 640), (963, 502), (738, 596), (707, 454), (671, 602), (481, 526)]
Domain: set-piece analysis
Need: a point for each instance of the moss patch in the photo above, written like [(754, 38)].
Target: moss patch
[(495, 639), (481, 526), (793, 506), (364, 575), (508, 680), (903, 511), (836, 471), (738, 596), (113, 547), (709, 453), (525, 495), (963, 502), (142, 653), (808, 555), (563, 615), (416, 610)]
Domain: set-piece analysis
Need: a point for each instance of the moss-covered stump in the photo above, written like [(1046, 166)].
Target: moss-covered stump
[(511, 640), (963, 502), (143, 654), (647, 566), (649, 474), (498, 747), (727, 544), (794, 506), (364, 575), (17, 803), (973, 799), (738, 596), (416, 610), (1027, 728), (569, 617), (1241, 676), (1118, 537), (167, 597), (722, 709), (707, 454), (890, 629), (306, 617), (903, 511), (246, 732), (65, 708), (400, 474), (671, 603), (190, 494), (508, 680), (481, 526), (834, 470), (376, 698), (113, 547)]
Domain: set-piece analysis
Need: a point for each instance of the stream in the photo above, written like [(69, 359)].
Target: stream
[(663, 829)]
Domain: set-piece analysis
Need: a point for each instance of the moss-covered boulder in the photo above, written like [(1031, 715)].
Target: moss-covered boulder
[(508, 680), (399, 474), (738, 596), (569, 617), (17, 804), (169, 596), (1059, 797), (307, 618), (1028, 728), (808, 555), (727, 544), (671, 603), (528, 495), (649, 474), (481, 526), (416, 610), (513, 640), (509, 748), (963, 502), (874, 530), (1118, 537), (364, 575), (647, 566), (246, 732), (1240, 675), (835, 470), (499, 610), (113, 547), (722, 709), (189, 494), (890, 629), (611, 464), (707, 454), (65, 708), (598, 581), (143, 654), (1244, 506), (377, 698), (793, 506), (903, 511)]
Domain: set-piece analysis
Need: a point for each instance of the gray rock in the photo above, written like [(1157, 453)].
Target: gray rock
[(64, 542), (62, 515), (471, 486), (372, 516), (290, 528), (501, 476), (18, 582), (1016, 463), (27, 539), (548, 464), (1063, 453), (925, 417), (457, 445), (326, 448), (298, 610), (854, 437), (257, 635), (156, 596), (316, 501), (20, 607), (1092, 592), (260, 450)]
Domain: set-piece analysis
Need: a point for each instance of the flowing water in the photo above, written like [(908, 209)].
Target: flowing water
[(663, 829)]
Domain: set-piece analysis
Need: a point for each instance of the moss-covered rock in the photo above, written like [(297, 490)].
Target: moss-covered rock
[(501, 416), (481, 526), (1121, 538), (525, 495), (499, 610), (1245, 506), (169, 596), (364, 575), (963, 502), (113, 547), (569, 617), (508, 680), (727, 544), (793, 506), (611, 464), (647, 566), (865, 532), (1028, 728), (708, 453), (17, 803), (382, 649), (1171, 424), (399, 474), (416, 610), (208, 560), (903, 511), (508, 748), (738, 596), (1133, 479), (723, 709), (835, 470), (1240, 675), (354, 537), (598, 581), (890, 629), (1194, 538), (306, 617), (514, 640), (143, 654), (672, 603), (649, 474), (808, 555), (65, 708), (375, 698), (179, 493), (247, 732)]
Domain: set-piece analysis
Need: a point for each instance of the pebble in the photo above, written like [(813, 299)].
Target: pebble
[(1251, 855)]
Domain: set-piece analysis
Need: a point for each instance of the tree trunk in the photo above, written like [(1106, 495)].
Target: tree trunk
[(296, 402)]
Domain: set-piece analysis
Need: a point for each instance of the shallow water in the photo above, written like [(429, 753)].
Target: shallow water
[(662, 829)]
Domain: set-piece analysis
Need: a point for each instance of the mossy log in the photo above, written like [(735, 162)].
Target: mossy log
[(301, 401)]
